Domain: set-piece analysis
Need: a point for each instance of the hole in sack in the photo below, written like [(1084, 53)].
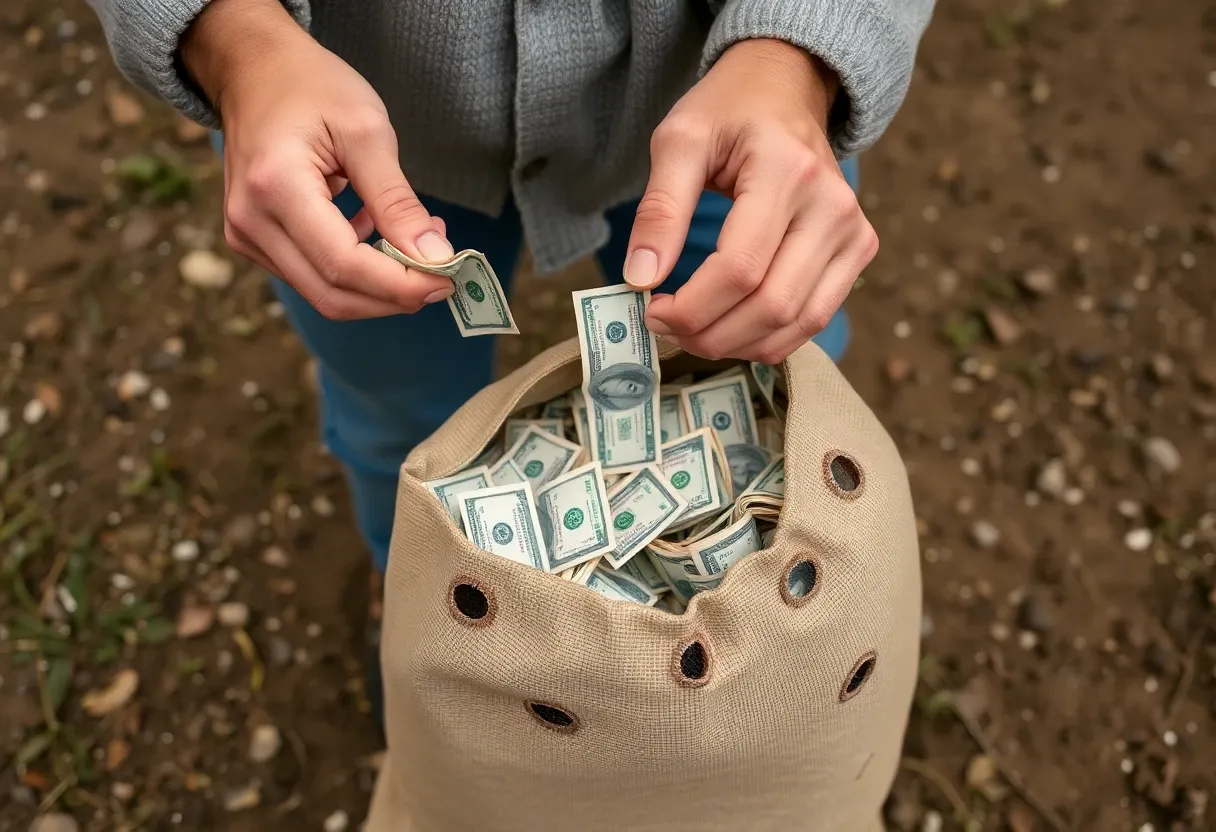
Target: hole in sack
[(801, 581), (469, 603), (554, 717), (692, 663), (858, 676), (843, 475)]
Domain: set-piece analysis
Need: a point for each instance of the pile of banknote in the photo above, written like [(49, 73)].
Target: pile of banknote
[(642, 491)]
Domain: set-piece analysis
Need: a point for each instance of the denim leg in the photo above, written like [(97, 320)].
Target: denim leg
[(702, 240), (388, 383)]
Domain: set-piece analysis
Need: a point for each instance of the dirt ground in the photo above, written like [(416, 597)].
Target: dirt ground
[(182, 591)]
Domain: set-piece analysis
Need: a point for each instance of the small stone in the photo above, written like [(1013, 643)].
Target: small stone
[(185, 551), (1161, 453), (1036, 615), (159, 400), (241, 531), (138, 232), (194, 621), (985, 534), (55, 822), (1052, 478), (1040, 281), (50, 397), (1138, 540), (933, 822), (206, 270), (337, 822), (1005, 330), (47, 326), (1161, 366), (33, 412), (124, 108), (133, 384), (983, 777), (897, 369), (276, 557), (122, 792), (117, 752), (101, 701), (279, 651), (239, 800), (265, 743), (234, 614)]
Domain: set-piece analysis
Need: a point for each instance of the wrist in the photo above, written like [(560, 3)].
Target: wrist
[(812, 83), (230, 39)]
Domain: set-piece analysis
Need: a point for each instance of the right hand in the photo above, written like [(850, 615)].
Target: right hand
[(299, 123)]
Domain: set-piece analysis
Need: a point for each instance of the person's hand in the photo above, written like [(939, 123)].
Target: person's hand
[(795, 240), (299, 123)]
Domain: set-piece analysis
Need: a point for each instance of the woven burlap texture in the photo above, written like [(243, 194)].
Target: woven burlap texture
[(771, 742)]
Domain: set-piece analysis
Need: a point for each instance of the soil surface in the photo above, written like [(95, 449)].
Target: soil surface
[(182, 591)]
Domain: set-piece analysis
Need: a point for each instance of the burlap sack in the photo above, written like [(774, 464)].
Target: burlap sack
[(796, 722)]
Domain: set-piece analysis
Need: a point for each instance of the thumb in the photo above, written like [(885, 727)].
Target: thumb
[(395, 209), (677, 177)]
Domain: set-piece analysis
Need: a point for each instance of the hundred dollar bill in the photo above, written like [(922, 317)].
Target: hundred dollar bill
[(642, 570), (766, 381), (618, 586), (479, 303), (516, 428), (502, 520), (764, 496), (448, 489), (726, 405), (672, 424), (717, 553), (506, 472), (681, 574), (643, 505), (688, 464), (543, 457), (574, 519), (620, 377)]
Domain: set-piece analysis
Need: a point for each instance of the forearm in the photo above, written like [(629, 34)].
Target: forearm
[(869, 44)]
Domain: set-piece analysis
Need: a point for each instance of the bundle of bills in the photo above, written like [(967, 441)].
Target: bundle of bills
[(643, 492)]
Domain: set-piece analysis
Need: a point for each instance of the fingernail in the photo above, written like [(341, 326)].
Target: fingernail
[(641, 268), (434, 248), (658, 328), (438, 295)]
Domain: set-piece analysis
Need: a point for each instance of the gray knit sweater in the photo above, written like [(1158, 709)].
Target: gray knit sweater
[(552, 101)]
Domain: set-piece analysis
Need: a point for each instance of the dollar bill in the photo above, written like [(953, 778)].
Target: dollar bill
[(574, 518), (490, 455), (582, 572), (764, 496), (448, 489), (726, 405), (643, 505), (479, 303), (620, 587), (558, 408), (766, 382), (688, 464), (672, 424), (719, 552), (516, 428), (620, 377), (506, 472), (543, 457), (642, 570), (681, 574), (502, 520)]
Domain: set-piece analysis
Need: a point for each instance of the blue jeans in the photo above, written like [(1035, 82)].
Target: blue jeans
[(388, 383)]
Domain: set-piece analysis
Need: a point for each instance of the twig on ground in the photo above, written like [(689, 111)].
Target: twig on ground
[(932, 775)]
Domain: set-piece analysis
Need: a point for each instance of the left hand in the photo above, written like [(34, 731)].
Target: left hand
[(795, 240)]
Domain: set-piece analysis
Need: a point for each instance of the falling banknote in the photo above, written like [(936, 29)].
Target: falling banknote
[(479, 303)]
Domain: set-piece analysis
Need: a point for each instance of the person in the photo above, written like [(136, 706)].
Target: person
[(693, 146)]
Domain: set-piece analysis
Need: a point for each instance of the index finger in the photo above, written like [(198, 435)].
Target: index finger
[(332, 245), (754, 228)]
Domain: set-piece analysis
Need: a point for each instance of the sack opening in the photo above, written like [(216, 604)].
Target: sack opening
[(858, 676), (469, 602), (553, 717), (843, 475), (692, 663), (801, 581)]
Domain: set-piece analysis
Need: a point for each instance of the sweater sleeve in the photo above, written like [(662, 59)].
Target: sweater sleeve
[(143, 37), (870, 44)]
